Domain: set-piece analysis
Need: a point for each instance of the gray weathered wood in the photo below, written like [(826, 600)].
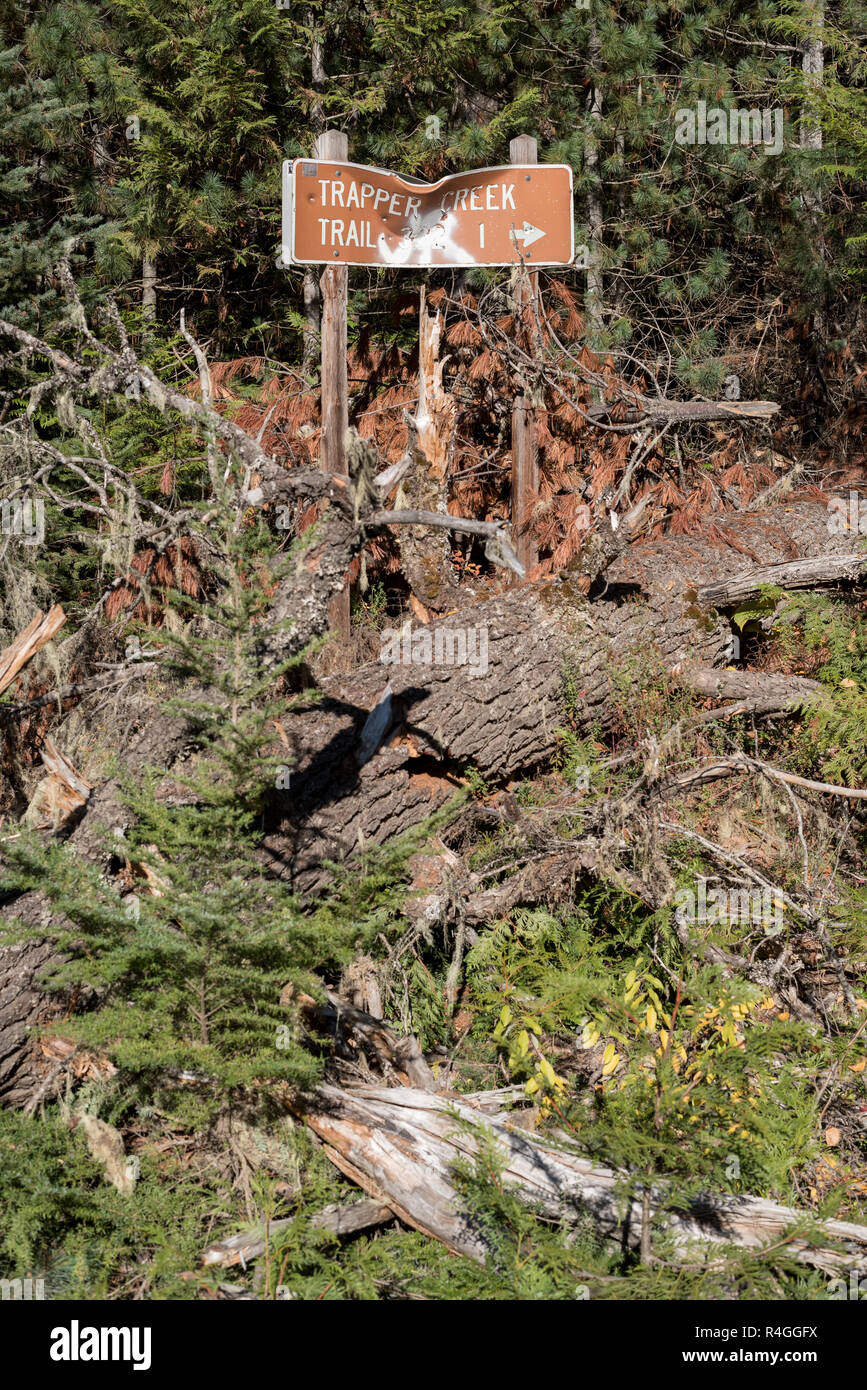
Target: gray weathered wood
[(342, 1219), (400, 1145), (813, 572), (761, 686), (684, 412)]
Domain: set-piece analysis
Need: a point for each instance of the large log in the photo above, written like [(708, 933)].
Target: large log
[(400, 1146), (23, 1007), (543, 652)]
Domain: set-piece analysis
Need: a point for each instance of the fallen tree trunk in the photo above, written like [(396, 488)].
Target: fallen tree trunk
[(533, 659), (399, 1146), (24, 1070), (24, 1065)]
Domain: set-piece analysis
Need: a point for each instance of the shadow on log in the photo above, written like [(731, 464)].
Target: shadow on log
[(531, 656)]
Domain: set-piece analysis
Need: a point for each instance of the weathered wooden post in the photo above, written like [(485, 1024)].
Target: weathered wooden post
[(334, 145), (525, 453), (337, 214)]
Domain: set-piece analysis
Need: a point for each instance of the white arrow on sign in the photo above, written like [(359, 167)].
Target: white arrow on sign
[(528, 235)]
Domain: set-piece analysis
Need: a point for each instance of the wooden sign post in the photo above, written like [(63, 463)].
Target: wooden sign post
[(338, 214), (525, 452), (334, 408)]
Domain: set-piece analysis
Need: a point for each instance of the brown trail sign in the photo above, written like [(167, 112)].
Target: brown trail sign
[(339, 214), (349, 214)]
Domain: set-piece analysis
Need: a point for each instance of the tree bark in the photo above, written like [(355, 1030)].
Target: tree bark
[(813, 69), (24, 1070), (312, 302), (23, 1007), (550, 654), (334, 390), (814, 572), (683, 412)]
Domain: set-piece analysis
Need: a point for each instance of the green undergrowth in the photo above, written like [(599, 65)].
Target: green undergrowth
[(826, 638), (621, 1042)]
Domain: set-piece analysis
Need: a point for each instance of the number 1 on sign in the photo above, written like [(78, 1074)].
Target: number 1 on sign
[(481, 234)]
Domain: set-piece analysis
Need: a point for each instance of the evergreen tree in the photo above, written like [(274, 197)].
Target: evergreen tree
[(190, 967)]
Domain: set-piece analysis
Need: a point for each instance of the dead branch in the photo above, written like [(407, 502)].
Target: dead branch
[(342, 1219), (29, 642), (76, 688), (760, 687), (740, 762), (813, 572), (391, 1054), (688, 412)]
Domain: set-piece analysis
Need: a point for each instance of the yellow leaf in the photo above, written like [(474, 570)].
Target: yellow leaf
[(650, 1020), (832, 1136), (859, 1066), (547, 1071), (531, 1087), (784, 1016), (611, 1063), (663, 1038)]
